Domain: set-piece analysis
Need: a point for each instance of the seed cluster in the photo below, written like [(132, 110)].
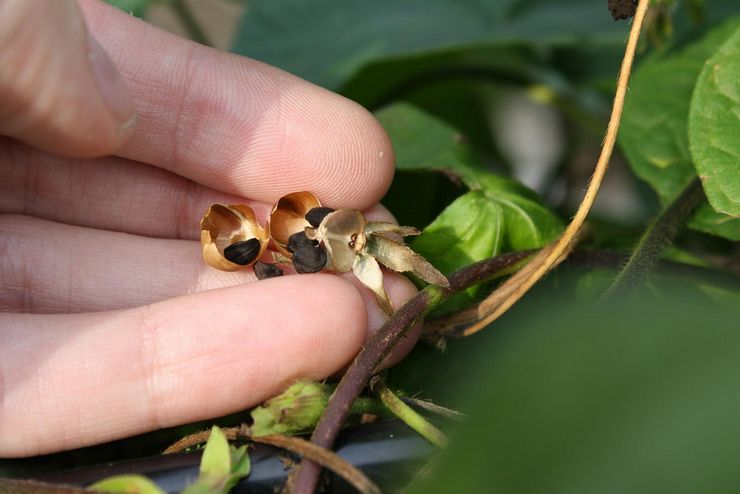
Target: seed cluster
[(311, 238)]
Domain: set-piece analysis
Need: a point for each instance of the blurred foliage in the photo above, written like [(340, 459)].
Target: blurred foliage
[(137, 8), (638, 396)]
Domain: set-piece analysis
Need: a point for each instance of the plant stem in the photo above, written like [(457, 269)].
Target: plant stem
[(656, 238), (408, 414), (190, 23), (377, 347)]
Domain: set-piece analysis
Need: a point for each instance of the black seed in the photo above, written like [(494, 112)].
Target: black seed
[(243, 252), (622, 9), (298, 240), (316, 215), (263, 270), (309, 259)]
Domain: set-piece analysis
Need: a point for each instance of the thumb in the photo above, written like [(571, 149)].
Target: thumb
[(59, 91)]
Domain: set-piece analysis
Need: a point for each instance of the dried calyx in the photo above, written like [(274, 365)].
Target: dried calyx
[(313, 238)]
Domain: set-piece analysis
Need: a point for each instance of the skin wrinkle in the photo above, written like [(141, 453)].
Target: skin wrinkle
[(150, 361)]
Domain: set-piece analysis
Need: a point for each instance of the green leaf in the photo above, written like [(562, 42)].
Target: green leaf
[(126, 484), (215, 464), (221, 466), (637, 397), (326, 41), (714, 127), (137, 8), (654, 134)]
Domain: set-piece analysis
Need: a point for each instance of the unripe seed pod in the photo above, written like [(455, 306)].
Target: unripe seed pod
[(309, 259), (316, 215), (298, 240), (263, 270), (244, 252)]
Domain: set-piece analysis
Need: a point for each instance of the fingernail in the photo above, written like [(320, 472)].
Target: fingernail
[(113, 89)]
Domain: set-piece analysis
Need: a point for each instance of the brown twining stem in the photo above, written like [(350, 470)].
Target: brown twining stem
[(19, 486), (379, 345), (305, 449), (508, 293)]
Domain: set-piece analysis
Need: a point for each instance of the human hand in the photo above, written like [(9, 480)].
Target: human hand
[(111, 323)]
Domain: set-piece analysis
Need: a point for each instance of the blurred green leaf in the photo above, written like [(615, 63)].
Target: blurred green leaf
[(126, 484), (221, 466), (326, 41), (636, 397), (215, 464), (137, 8), (654, 132), (714, 127)]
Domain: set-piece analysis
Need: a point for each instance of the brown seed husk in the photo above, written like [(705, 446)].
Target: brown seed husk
[(224, 225), (289, 216)]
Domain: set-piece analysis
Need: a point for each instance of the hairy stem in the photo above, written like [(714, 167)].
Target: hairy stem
[(409, 416), (656, 238)]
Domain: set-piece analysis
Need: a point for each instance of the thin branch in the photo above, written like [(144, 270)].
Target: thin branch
[(656, 238), (407, 414), (515, 287), (18, 486), (306, 449)]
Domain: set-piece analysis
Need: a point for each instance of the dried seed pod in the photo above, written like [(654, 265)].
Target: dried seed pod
[(309, 259), (263, 270), (244, 252), (298, 240), (316, 215), (342, 233), (289, 216), (224, 226)]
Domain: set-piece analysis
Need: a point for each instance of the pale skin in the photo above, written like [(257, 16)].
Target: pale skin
[(111, 324)]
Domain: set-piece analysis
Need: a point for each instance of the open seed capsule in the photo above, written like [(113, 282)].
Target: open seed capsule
[(289, 216), (231, 238)]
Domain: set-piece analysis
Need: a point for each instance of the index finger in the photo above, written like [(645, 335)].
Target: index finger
[(239, 125)]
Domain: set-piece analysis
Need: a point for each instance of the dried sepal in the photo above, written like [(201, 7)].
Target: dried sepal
[(382, 227), (342, 233), (400, 258), (224, 226), (368, 271), (289, 216)]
